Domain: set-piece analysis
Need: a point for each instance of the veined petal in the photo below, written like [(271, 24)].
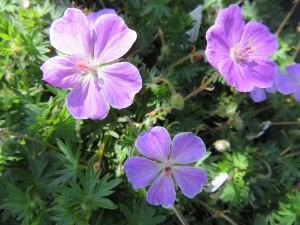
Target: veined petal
[(112, 38), (231, 19), (62, 71), (261, 72), (258, 94), (71, 34), (189, 179), (162, 192), (217, 47), (93, 16), (87, 100), (263, 41), (141, 171), (285, 84), (234, 75), (294, 71), (154, 143), (187, 148), (121, 82)]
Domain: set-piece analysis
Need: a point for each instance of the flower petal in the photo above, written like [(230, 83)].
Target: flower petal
[(71, 34), (272, 89), (231, 19), (258, 94), (154, 143), (187, 148), (141, 171), (264, 42), (297, 94), (112, 38), (234, 75), (217, 47), (261, 72), (285, 84), (162, 192), (93, 16), (87, 100), (121, 82), (62, 71), (189, 179), (294, 71)]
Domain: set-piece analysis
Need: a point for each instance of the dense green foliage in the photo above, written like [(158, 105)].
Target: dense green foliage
[(57, 170)]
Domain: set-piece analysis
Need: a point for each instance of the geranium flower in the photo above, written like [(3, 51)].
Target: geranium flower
[(241, 52), (91, 67), (259, 94), (287, 84), (166, 164), (93, 16)]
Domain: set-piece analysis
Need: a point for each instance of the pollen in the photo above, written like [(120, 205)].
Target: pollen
[(167, 171)]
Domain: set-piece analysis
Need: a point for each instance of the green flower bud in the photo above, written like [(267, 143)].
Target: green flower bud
[(165, 51), (177, 101), (238, 123)]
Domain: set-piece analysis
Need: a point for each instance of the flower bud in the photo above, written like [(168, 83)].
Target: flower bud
[(222, 145), (165, 51), (177, 101), (238, 123)]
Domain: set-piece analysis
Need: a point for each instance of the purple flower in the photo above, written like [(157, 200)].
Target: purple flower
[(241, 52), (93, 16), (259, 94), (91, 67), (287, 84), (167, 164)]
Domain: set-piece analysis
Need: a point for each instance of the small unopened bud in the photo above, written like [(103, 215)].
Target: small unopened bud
[(238, 123), (222, 145), (177, 101), (212, 11), (165, 51)]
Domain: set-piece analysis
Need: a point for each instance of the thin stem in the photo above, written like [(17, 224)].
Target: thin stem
[(17, 62), (286, 18), (179, 215), (216, 213), (7, 133), (201, 52), (102, 146), (285, 123), (130, 121), (201, 88), (297, 49)]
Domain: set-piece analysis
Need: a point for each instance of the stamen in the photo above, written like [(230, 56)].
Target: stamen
[(167, 171)]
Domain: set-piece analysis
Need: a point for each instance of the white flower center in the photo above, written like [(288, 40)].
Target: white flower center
[(241, 51)]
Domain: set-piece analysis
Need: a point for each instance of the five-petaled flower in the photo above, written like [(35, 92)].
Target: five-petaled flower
[(259, 94), (241, 52), (167, 164), (287, 84), (91, 67)]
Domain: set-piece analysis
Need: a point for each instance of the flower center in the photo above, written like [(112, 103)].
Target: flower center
[(86, 67), (241, 51), (167, 171)]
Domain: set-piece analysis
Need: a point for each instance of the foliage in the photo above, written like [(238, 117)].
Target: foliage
[(58, 170)]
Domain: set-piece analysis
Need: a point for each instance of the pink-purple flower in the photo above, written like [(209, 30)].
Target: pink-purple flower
[(93, 16), (241, 52), (91, 66), (290, 83), (162, 165), (259, 94)]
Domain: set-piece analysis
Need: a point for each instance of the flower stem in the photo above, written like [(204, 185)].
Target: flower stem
[(216, 213), (17, 62), (201, 88), (297, 49), (7, 133), (102, 146), (201, 52), (286, 18), (179, 215)]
